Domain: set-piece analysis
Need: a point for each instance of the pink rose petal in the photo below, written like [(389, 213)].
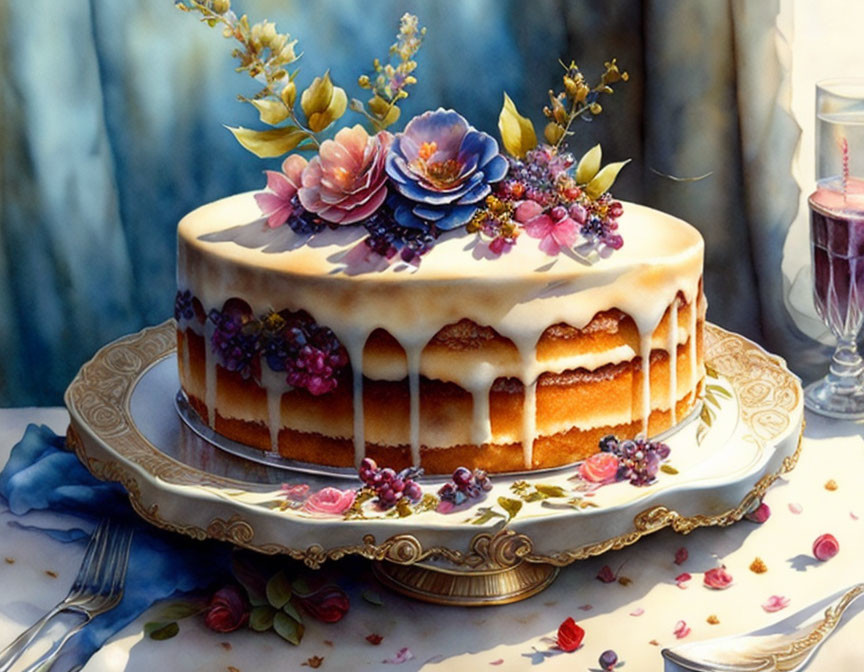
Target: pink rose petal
[(681, 556), (852, 515), (775, 603), (681, 630), (605, 574), (682, 579), (717, 579), (795, 507), (500, 661), (402, 656), (638, 611), (825, 547)]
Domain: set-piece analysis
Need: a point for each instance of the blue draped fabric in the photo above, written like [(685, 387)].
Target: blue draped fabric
[(113, 118)]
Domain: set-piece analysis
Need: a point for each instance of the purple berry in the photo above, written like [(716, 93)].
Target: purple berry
[(387, 474), (412, 491), (462, 477), (608, 659)]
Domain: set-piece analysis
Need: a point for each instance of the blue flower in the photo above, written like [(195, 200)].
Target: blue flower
[(441, 169)]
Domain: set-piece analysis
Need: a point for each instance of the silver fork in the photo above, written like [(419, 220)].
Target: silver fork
[(97, 588)]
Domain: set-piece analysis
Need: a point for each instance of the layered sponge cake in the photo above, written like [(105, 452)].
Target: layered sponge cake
[(515, 363)]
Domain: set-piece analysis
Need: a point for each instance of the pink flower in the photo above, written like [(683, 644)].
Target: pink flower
[(605, 574), (346, 182), (825, 547), (717, 578), (681, 556), (280, 202), (599, 468), (775, 603), (328, 604), (555, 229), (330, 501), (228, 610), (681, 629), (760, 514), (682, 579)]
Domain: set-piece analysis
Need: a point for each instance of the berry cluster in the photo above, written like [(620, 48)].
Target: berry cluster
[(639, 459), (387, 237), (184, 308), (388, 485), (537, 177), (310, 354), (465, 485), (235, 340), (600, 221), (302, 221)]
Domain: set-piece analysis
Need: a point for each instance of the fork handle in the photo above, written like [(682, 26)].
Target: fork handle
[(47, 660), (13, 652)]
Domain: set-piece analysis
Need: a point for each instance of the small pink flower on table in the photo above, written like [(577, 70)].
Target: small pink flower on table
[(599, 468), (775, 603), (329, 500), (281, 201), (717, 578)]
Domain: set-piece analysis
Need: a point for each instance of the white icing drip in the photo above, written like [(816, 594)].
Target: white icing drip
[(210, 374), (413, 354), (529, 423), (672, 347), (479, 385), (274, 383), (645, 354)]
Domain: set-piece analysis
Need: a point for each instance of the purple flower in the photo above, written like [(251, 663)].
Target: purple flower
[(442, 168)]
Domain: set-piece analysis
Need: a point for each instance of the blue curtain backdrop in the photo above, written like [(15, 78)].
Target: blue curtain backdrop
[(112, 129)]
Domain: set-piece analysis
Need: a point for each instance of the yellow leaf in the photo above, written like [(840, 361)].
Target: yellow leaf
[(602, 181), (553, 133), (517, 132), (271, 111), (588, 165), (317, 96), (267, 144)]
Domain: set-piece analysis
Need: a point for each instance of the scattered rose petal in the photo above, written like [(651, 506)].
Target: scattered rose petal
[(825, 547), (852, 515), (795, 507), (681, 630), (682, 579), (758, 566), (605, 574), (225, 645), (314, 662), (717, 578), (586, 607), (760, 514), (654, 642), (402, 656), (775, 603), (712, 619), (638, 611), (374, 639), (570, 635), (500, 661), (831, 485), (681, 556)]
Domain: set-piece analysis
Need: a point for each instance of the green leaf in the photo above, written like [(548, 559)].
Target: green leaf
[(485, 515), (261, 618), (300, 587), (271, 111), (668, 469), (511, 506), (291, 611), (551, 490), (278, 590), (287, 628), (517, 132), (175, 611), (588, 165), (267, 144), (160, 630), (373, 598), (716, 389), (602, 181)]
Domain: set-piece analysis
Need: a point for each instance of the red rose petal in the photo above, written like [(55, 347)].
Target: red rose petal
[(681, 556), (605, 574), (570, 635)]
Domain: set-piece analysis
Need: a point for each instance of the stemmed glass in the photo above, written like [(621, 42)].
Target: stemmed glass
[(837, 243)]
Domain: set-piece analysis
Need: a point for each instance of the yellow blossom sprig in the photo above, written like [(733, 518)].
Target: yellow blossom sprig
[(265, 54), (389, 81), (577, 99)]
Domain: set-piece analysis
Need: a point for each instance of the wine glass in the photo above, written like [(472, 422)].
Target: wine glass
[(837, 243)]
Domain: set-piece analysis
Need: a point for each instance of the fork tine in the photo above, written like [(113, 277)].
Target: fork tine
[(89, 564), (121, 562)]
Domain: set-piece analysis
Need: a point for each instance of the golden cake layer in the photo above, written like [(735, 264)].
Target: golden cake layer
[(519, 362)]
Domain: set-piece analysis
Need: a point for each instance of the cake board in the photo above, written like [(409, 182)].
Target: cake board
[(124, 428)]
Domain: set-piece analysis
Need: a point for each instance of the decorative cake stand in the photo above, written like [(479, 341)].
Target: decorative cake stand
[(125, 428)]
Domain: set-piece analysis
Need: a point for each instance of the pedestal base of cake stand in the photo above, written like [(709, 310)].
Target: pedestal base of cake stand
[(466, 587)]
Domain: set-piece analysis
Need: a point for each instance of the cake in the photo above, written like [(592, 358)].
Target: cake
[(431, 298), (504, 364)]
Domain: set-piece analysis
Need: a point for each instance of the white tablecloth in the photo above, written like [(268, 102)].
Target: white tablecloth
[(636, 620)]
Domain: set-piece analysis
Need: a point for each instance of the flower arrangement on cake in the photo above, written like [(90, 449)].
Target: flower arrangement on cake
[(437, 176)]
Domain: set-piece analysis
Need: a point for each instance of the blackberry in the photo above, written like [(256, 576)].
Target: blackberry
[(234, 340), (302, 221), (184, 307), (387, 237)]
